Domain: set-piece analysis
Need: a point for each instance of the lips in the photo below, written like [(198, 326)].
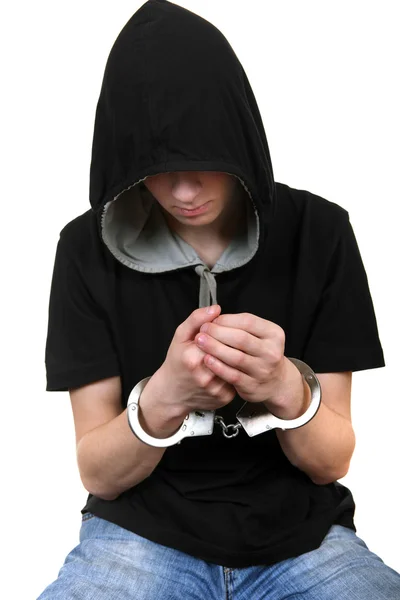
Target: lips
[(194, 211), (186, 208)]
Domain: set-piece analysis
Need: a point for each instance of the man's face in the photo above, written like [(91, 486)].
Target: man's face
[(214, 191)]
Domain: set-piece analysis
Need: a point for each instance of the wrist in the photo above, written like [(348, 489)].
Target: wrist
[(293, 396), (156, 417)]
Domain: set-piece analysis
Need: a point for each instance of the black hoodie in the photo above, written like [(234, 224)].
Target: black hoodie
[(176, 98)]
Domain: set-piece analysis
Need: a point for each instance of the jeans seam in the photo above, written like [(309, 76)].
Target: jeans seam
[(228, 586), (87, 516)]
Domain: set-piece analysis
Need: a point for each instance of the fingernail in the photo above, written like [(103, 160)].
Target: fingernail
[(211, 310)]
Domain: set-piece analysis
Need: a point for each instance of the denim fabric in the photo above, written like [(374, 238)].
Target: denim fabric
[(112, 563)]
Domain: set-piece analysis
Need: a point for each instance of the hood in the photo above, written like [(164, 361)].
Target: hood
[(175, 97)]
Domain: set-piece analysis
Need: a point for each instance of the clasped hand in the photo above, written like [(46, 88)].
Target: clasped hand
[(248, 352)]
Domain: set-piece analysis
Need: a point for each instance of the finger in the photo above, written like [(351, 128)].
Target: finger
[(186, 331), (229, 356), (256, 326), (195, 355), (228, 374), (235, 338)]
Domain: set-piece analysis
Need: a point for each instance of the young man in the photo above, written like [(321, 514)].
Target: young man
[(190, 496)]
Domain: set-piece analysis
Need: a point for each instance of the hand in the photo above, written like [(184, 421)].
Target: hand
[(189, 385), (248, 352)]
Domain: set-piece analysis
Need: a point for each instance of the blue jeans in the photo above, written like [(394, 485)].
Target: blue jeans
[(112, 563)]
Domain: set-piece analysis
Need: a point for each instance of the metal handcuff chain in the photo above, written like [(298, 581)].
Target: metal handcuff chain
[(225, 428), (253, 417)]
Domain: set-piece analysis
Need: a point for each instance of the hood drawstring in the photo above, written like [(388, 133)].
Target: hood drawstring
[(208, 286)]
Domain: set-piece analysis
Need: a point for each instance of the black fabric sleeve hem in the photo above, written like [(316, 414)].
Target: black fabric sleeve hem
[(63, 381), (345, 360)]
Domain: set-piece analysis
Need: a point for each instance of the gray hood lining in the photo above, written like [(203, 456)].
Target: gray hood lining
[(136, 232)]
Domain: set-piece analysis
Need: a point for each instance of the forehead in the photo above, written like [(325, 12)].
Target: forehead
[(204, 176)]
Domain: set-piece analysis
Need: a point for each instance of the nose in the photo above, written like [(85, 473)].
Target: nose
[(185, 187)]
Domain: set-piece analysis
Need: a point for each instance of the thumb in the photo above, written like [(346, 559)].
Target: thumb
[(187, 330)]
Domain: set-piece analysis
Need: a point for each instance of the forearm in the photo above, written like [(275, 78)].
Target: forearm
[(324, 446), (111, 459)]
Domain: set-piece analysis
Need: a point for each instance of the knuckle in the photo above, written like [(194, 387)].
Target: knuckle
[(240, 359), (274, 357), (236, 378), (189, 360), (280, 334), (215, 392), (203, 379), (242, 337), (247, 320), (224, 395)]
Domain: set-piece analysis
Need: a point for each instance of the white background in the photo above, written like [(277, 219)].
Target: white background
[(325, 75)]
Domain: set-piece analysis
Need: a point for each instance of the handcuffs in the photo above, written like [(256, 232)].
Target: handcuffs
[(253, 417)]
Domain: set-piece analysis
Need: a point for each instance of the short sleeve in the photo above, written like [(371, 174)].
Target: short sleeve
[(79, 346), (344, 334)]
